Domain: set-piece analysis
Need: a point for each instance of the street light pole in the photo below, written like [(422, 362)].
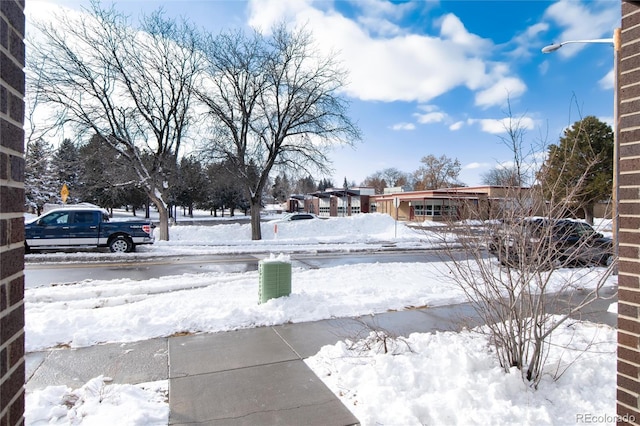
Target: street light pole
[(615, 42), (555, 46)]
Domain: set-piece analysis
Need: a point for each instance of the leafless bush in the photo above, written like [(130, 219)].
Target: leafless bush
[(518, 271), (371, 337)]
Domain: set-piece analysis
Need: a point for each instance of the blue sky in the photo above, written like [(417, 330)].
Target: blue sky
[(434, 77)]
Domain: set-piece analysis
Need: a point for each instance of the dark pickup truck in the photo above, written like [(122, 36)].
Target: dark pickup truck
[(86, 227)]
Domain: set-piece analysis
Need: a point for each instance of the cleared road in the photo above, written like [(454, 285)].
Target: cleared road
[(44, 274)]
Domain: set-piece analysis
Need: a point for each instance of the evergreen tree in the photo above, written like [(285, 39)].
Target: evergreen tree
[(324, 184), (579, 170), (305, 185), (190, 184), (281, 189), (41, 185), (65, 167), (222, 190), (104, 179)]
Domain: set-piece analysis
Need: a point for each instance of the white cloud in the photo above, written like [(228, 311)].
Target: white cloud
[(583, 21), (456, 126), (503, 90), (608, 120), (453, 29), (528, 39), (376, 16), (395, 65), (431, 115), (607, 82), (498, 126), (403, 126), (543, 67), (473, 166)]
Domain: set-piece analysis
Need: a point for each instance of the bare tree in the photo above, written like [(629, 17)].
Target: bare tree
[(273, 102), (502, 176), (515, 289), (436, 173), (523, 165), (387, 178), (133, 88)]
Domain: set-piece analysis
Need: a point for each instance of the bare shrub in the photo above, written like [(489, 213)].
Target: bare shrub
[(372, 337), (524, 259)]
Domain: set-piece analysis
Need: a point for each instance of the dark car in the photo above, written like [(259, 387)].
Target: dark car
[(295, 216), (550, 243)]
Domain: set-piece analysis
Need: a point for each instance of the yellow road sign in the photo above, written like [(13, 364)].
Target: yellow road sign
[(64, 193)]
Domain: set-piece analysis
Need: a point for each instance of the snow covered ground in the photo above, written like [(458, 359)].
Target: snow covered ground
[(445, 378)]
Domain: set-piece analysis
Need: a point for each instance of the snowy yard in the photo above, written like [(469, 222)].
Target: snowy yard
[(441, 378)]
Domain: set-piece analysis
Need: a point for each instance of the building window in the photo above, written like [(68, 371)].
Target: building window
[(433, 208)]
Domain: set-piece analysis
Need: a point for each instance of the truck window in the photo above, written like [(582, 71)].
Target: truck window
[(83, 217), (57, 218)]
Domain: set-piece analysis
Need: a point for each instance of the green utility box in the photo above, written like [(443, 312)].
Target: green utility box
[(275, 279)]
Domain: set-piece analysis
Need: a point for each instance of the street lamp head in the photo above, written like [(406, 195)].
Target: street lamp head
[(555, 46), (551, 48)]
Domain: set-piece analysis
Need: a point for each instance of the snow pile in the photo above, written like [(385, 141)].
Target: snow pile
[(124, 310), (281, 258), (359, 228), (453, 378), (99, 403)]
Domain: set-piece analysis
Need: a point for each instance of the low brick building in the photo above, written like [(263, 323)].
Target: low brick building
[(12, 85), (628, 132)]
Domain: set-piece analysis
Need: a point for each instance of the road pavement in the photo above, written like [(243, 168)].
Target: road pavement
[(39, 274)]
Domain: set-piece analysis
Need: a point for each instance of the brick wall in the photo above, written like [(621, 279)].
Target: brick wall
[(628, 391), (12, 25)]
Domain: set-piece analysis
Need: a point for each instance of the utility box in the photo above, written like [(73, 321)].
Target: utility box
[(275, 279)]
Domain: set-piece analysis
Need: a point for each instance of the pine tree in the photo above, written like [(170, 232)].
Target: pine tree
[(579, 169), (41, 185), (102, 175), (65, 167), (189, 188)]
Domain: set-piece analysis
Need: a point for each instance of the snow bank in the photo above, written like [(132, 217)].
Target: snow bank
[(454, 378)]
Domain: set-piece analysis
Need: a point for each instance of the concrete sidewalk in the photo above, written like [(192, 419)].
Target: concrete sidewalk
[(244, 377)]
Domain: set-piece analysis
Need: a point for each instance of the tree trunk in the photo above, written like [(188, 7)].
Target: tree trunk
[(163, 212), (256, 231), (588, 214)]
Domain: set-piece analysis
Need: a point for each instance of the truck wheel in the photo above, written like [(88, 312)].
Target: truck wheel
[(121, 244)]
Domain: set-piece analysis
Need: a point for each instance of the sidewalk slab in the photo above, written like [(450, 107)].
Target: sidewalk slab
[(307, 338), (210, 353), (125, 363), (282, 393), (249, 377)]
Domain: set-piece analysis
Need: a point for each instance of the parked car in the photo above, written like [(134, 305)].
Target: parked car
[(550, 244), (289, 217), (67, 227)]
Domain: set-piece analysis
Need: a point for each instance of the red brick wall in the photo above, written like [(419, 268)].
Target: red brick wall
[(628, 391), (12, 24)]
